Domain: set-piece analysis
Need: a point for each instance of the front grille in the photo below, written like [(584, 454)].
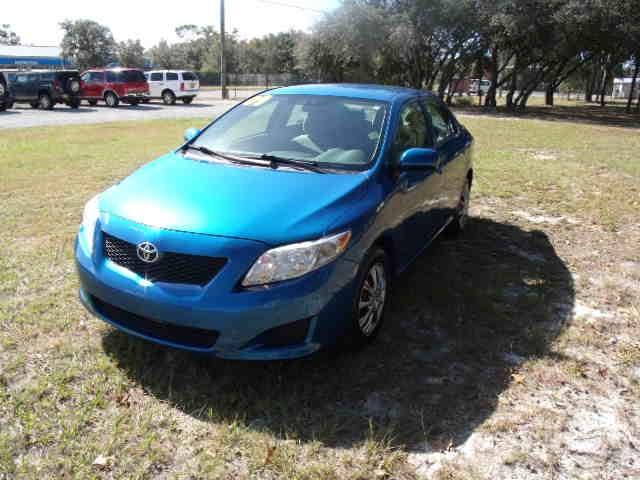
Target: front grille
[(170, 267), (182, 335)]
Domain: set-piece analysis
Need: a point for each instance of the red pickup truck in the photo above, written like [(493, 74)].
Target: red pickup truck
[(114, 85)]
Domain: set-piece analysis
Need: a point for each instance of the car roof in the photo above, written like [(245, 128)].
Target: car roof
[(385, 93), (114, 69), (169, 71)]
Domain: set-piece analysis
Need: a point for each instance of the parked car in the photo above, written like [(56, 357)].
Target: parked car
[(170, 85), (479, 87), (45, 89), (279, 227), (6, 98), (115, 85)]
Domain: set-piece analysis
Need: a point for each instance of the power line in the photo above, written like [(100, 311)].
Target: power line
[(290, 5)]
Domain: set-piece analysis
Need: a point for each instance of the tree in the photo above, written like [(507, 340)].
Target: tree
[(131, 54), (88, 43), (8, 36)]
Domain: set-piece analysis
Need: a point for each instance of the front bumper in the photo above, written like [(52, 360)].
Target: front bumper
[(288, 320)]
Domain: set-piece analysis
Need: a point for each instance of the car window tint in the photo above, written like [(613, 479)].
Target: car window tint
[(189, 76), (22, 79), (412, 130), (440, 123), (46, 77), (156, 77), (172, 76), (97, 77)]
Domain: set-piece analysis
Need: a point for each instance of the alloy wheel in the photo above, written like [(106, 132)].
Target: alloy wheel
[(371, 302)]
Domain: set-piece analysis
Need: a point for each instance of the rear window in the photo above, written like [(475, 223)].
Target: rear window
[(189, 76), (126, 76), (172, 76)]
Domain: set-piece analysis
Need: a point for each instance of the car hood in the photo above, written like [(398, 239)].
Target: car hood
[(274, 206)]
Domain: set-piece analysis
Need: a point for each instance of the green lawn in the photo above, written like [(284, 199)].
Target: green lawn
[(555, 221)]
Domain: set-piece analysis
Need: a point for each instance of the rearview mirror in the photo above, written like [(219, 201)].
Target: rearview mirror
[(191, 133), (419, 159)]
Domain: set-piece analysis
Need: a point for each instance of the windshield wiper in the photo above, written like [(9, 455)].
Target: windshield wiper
[(224, 156), (275, 160)]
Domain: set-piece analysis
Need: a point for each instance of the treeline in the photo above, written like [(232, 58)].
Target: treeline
[(520, 45)]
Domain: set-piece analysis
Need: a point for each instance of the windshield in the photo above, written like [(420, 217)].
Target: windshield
[(323, 129)]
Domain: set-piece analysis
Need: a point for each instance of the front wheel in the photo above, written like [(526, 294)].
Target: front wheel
[(371, 299), (111, 99), (45, 101), (459, 221), (168, 98)]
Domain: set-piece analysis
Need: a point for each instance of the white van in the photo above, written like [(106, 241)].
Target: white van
[(170, 85)]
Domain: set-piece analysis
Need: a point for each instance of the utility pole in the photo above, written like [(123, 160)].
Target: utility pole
[(223, 73)]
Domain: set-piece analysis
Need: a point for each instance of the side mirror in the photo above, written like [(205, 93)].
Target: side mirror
[(419, 159), (191, 133)]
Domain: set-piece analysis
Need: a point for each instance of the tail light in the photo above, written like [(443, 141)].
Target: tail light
[(182, 86), (56, 85)]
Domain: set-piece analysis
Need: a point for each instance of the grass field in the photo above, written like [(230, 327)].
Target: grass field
[(512, 352)]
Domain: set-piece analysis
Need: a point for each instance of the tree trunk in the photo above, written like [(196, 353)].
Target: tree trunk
[(636, 70), (490, 100), (548, 95), (513, 86), (591, 84), (603, 87)]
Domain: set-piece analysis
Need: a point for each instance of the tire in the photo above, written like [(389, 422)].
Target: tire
[(3, 106), (187, 100), (34, 104), (73, 85), (459, 221), (74, 103), (168, 97), (111, 99), (45, 102), (370, 303), (93, 103)]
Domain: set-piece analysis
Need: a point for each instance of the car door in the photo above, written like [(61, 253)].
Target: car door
[(416, 199), (156, 82), (21, 84), (451, 146)]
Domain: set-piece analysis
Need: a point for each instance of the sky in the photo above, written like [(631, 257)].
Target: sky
[(36, 21)]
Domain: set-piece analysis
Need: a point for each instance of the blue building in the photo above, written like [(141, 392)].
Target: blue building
[(20, 56)]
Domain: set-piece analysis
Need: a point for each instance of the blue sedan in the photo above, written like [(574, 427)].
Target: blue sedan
[(278, 228)]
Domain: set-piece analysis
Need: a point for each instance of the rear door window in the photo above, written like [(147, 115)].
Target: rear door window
[(130, 76), (442, 123), (172, 76)]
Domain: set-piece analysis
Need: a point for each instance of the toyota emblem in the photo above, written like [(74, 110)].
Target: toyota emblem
[(147, 252)]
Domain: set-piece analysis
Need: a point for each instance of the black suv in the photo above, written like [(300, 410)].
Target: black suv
[(6, 100), (45, 89)]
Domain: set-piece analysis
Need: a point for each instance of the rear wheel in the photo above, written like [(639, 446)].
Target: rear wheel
[(371, 299), (459, 222), (45, 101), (34, 104), (168, 97), (187, 100), (74, 103)]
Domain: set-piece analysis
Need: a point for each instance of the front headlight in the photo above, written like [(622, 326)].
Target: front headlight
[(295, 260), (89, 219)]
